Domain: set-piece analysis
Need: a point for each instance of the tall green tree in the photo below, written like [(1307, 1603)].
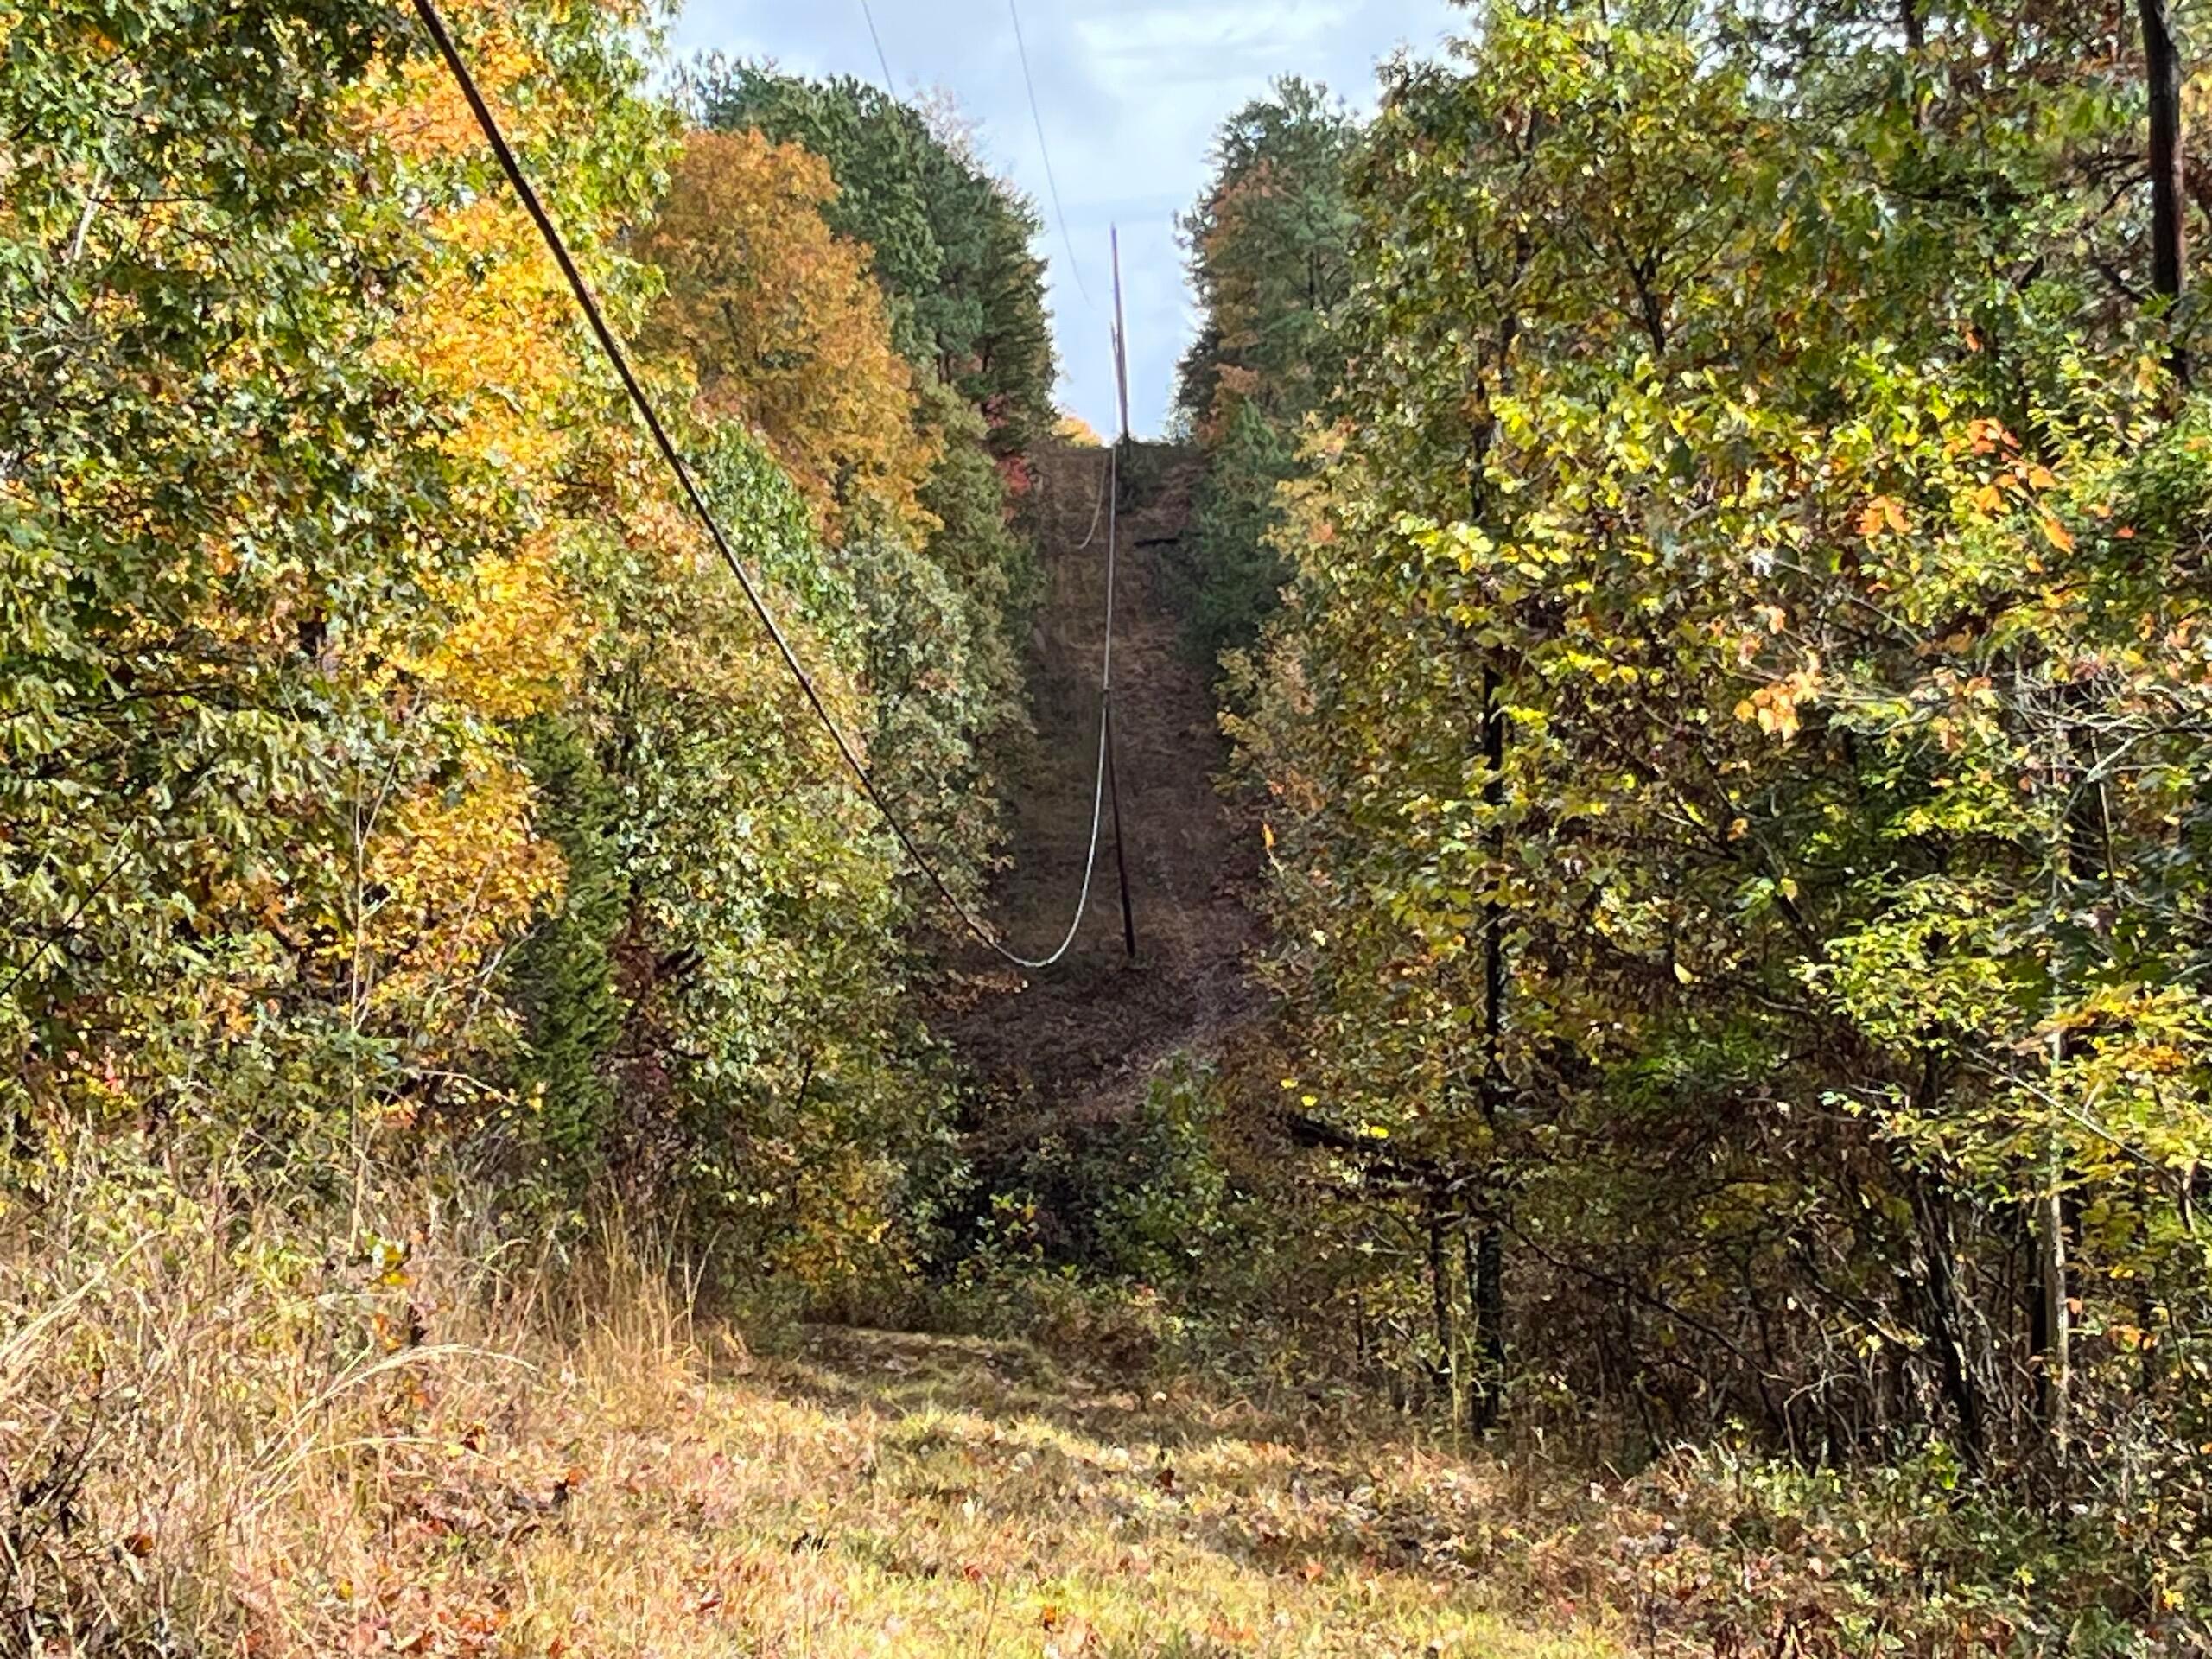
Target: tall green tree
[(952, 244), (951, 248), (1269, 251), (1734, 743), (384, 765)]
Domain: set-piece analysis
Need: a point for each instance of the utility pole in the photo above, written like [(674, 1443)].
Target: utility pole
[(1122, 449)]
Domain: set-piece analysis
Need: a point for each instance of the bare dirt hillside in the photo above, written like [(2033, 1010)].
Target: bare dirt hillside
[(1060, 1047)]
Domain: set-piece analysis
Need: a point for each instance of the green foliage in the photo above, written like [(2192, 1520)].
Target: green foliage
[(1227, 571), (952, 244), (1269, 247), (990, 560), (216, 494), (1748, 431), (951, 248), (383, 761), (771, 1080), (564, 975), (1142, 1199), (1170, 1198)]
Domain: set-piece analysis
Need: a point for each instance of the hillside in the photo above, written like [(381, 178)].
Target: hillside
[(1054, 1050)]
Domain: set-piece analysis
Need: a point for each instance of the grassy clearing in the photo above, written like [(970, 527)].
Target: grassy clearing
[(928, 1496), (215, 1438)]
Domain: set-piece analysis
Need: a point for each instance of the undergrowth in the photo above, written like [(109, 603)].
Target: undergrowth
[(242, 1421), (239, 1420), (1720, 1546)]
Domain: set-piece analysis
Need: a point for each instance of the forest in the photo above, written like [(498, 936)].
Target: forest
[(1661, 1101)]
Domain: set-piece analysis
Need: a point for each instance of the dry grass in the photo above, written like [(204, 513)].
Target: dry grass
[(216, 1439), (929, 1496)]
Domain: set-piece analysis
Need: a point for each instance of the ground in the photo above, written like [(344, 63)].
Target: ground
[(914, 1495), (907, 1495), (482, 1455), (1059, 1049), (874, 1493)]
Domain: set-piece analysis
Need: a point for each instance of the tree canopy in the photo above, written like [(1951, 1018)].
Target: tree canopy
[(383, 760), (1270, 261), (1734, 748), (952, 245)]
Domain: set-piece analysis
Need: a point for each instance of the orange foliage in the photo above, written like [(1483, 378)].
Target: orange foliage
[(786, 325), (460, 870), (490, 335)]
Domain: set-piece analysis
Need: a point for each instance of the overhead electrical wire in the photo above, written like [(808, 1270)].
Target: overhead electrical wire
[(1098, 507), (1052, 184), (457, 66), (882, 63), (1104, 780)]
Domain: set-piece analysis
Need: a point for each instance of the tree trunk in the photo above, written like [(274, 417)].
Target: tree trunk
[(1488, 1293), (2054, 1376), (1449, 1368), (1945, 1318), (1489, 1289), (2168, 231)]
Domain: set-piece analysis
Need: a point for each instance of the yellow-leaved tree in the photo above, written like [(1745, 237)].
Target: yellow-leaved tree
[(787, 328)]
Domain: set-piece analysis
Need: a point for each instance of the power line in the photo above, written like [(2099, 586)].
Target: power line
[(1052, 184), (882, 63), (1098, 507), (428, 11), (1105, 782)]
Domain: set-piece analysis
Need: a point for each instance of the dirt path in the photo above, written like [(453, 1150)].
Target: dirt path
[(1071, 1045)]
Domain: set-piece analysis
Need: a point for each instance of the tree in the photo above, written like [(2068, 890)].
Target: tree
[(787, 328), (952, 254), (266, 834), (383, 764), (952, 245), (1270, 244), (1729, 585)]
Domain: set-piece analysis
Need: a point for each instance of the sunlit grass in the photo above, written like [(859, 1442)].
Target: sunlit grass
[(220, 1433), (918, 1496)]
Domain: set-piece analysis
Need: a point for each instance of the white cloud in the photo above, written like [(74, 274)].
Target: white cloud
[(1157, 44)]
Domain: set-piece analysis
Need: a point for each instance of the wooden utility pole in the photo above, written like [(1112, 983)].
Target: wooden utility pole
[(1121, 337), (1122, 449)]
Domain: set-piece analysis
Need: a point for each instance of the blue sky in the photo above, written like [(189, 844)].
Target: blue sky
[(1131, 91)]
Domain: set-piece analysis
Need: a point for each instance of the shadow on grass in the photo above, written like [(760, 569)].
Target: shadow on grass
[(1270, 1490)]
